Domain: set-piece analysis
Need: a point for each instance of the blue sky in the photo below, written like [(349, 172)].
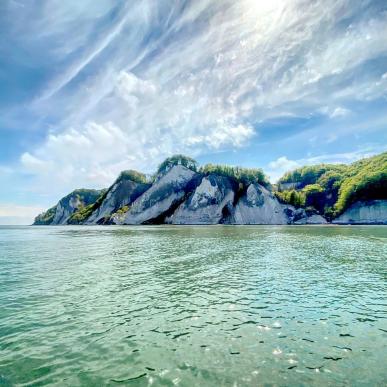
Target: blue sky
[(89, 88)]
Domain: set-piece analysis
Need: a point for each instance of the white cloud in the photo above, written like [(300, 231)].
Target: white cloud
[(149, 124), (93, 154), (278, 167), (283, 163), (213, 71), (95, 49), (339, 112), (224, 135), (33, 164), (128, 84)]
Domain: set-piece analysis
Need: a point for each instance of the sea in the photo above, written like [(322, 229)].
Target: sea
[(193, 306)]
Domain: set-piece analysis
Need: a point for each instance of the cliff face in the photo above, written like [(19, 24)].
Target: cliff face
[(67, 206), (259, 206), (161, 199), (122, 193), (364, 212), (177, 196), (180, 195), (210, 203)]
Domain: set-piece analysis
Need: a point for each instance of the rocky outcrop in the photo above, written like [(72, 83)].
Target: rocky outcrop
[(301, 216), (216, 200), (122, 193), (161, 200), (210, 203), (364, 212), (67, 206), (259, 206)]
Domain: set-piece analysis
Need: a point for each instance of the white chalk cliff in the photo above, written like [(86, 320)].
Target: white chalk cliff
[(364, 212), (180, 195), (208, 204), (155, 203)]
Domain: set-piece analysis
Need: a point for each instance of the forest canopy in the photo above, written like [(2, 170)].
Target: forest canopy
[(332, 188), (245, 176)]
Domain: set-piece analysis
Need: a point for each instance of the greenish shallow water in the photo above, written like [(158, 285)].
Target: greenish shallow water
[(193, 306)]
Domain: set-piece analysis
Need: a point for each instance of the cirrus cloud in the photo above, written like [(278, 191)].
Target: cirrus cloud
[(134, 83)]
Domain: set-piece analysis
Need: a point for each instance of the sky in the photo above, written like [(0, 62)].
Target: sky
[(89, 88)]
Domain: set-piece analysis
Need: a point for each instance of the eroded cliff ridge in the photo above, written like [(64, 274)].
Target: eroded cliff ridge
[(182, 193), (68, 206)]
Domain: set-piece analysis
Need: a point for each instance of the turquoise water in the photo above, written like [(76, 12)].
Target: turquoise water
[(193, 306)]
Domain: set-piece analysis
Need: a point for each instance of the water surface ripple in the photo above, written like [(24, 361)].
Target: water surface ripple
[(193, 306)]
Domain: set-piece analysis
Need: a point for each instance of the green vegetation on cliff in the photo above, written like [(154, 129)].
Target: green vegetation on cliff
[(366, 179), (132, 175), (170, 162), (80, 197), (310, 174), (245, 176), (45, 218), (332, 188), (83, 212), (292, 197)]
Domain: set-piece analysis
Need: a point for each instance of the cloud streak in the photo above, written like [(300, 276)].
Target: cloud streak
[(139, 82)]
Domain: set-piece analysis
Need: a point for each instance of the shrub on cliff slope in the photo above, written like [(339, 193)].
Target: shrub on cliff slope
[(45, 218), (132, 175), (292, 197), (83, 197), (85, 211)]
